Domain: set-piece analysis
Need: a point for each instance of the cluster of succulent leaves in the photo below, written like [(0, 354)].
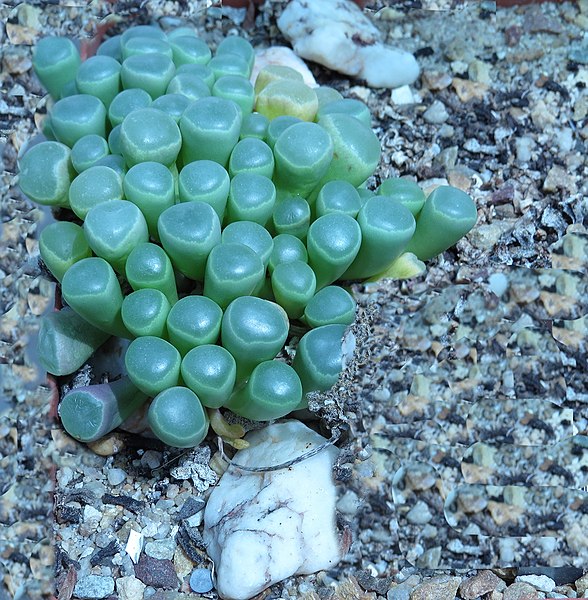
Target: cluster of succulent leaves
[(203, 215)]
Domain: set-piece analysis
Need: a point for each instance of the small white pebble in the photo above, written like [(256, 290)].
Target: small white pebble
[(498, 283), (402, 95), (116, 476)]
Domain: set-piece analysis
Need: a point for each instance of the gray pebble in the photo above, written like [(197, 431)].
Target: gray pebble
[(400, 592), (430, 558), (94, 586), (436, 113), (419, 514), (161, 548), (579, 54), (524, 146), (116, 476), (201, 581)]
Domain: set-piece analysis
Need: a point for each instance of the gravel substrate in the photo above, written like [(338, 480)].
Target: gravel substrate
[(500, 111)]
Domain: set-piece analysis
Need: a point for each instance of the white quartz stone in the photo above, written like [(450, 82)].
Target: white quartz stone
[(263, 527), (338, 35)]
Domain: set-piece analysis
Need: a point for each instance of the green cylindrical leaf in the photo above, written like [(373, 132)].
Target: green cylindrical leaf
[(205, 181), (238, 46), (293, 284), (188, 49), (210, 129), (347, 106), (56, 61), (229, 64), (330, 306), (91, 283), (447, 215), (150, 186), (405, 191), (253, 331), (287, 97), (99, 76), (356, 149), (232, 270), (326, 94), (149, 267), (250, 234), (194, 321), (113, 229), (188, 233), (76, 116), (191, 86), (287, 248), (149, 72), (386, 229), (276, 127), (303, 153), (111, 47), (172, 104), (142, 31), (94, 186), (292, 216), (125, 103), (210, 372), (271, 73), (145, 312), (273, 391), (319, 358), (61, 244), (87, 150), (146, 45), (177, 418), (337, 196), (251, 198), (153, 364), (115, 162), (238, 89), (252, 155), (66, 341), (90, 412), (148, 134), (254, 126), (46, 173), (333, 243), (203, 71)]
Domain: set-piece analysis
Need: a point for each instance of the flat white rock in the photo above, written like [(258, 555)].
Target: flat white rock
[(261, 528), (338, 35)]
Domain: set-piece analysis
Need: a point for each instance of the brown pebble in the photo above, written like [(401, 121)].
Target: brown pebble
[(467, 90), (537, 21), (512, 35), (158, 573), (480, 584), (520, 591), (16, 61), (504, 194), (436, 80), (110, 444)]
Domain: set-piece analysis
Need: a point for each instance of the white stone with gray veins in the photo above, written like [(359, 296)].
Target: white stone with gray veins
[(338, 35), (261, 528)]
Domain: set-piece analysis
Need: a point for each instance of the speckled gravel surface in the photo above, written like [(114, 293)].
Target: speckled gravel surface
[(500, 111)]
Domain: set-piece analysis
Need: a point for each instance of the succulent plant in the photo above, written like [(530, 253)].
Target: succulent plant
[(272, 391), (92, 411), (203, 215), (61, 244), (66, 341), (177, 417)]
